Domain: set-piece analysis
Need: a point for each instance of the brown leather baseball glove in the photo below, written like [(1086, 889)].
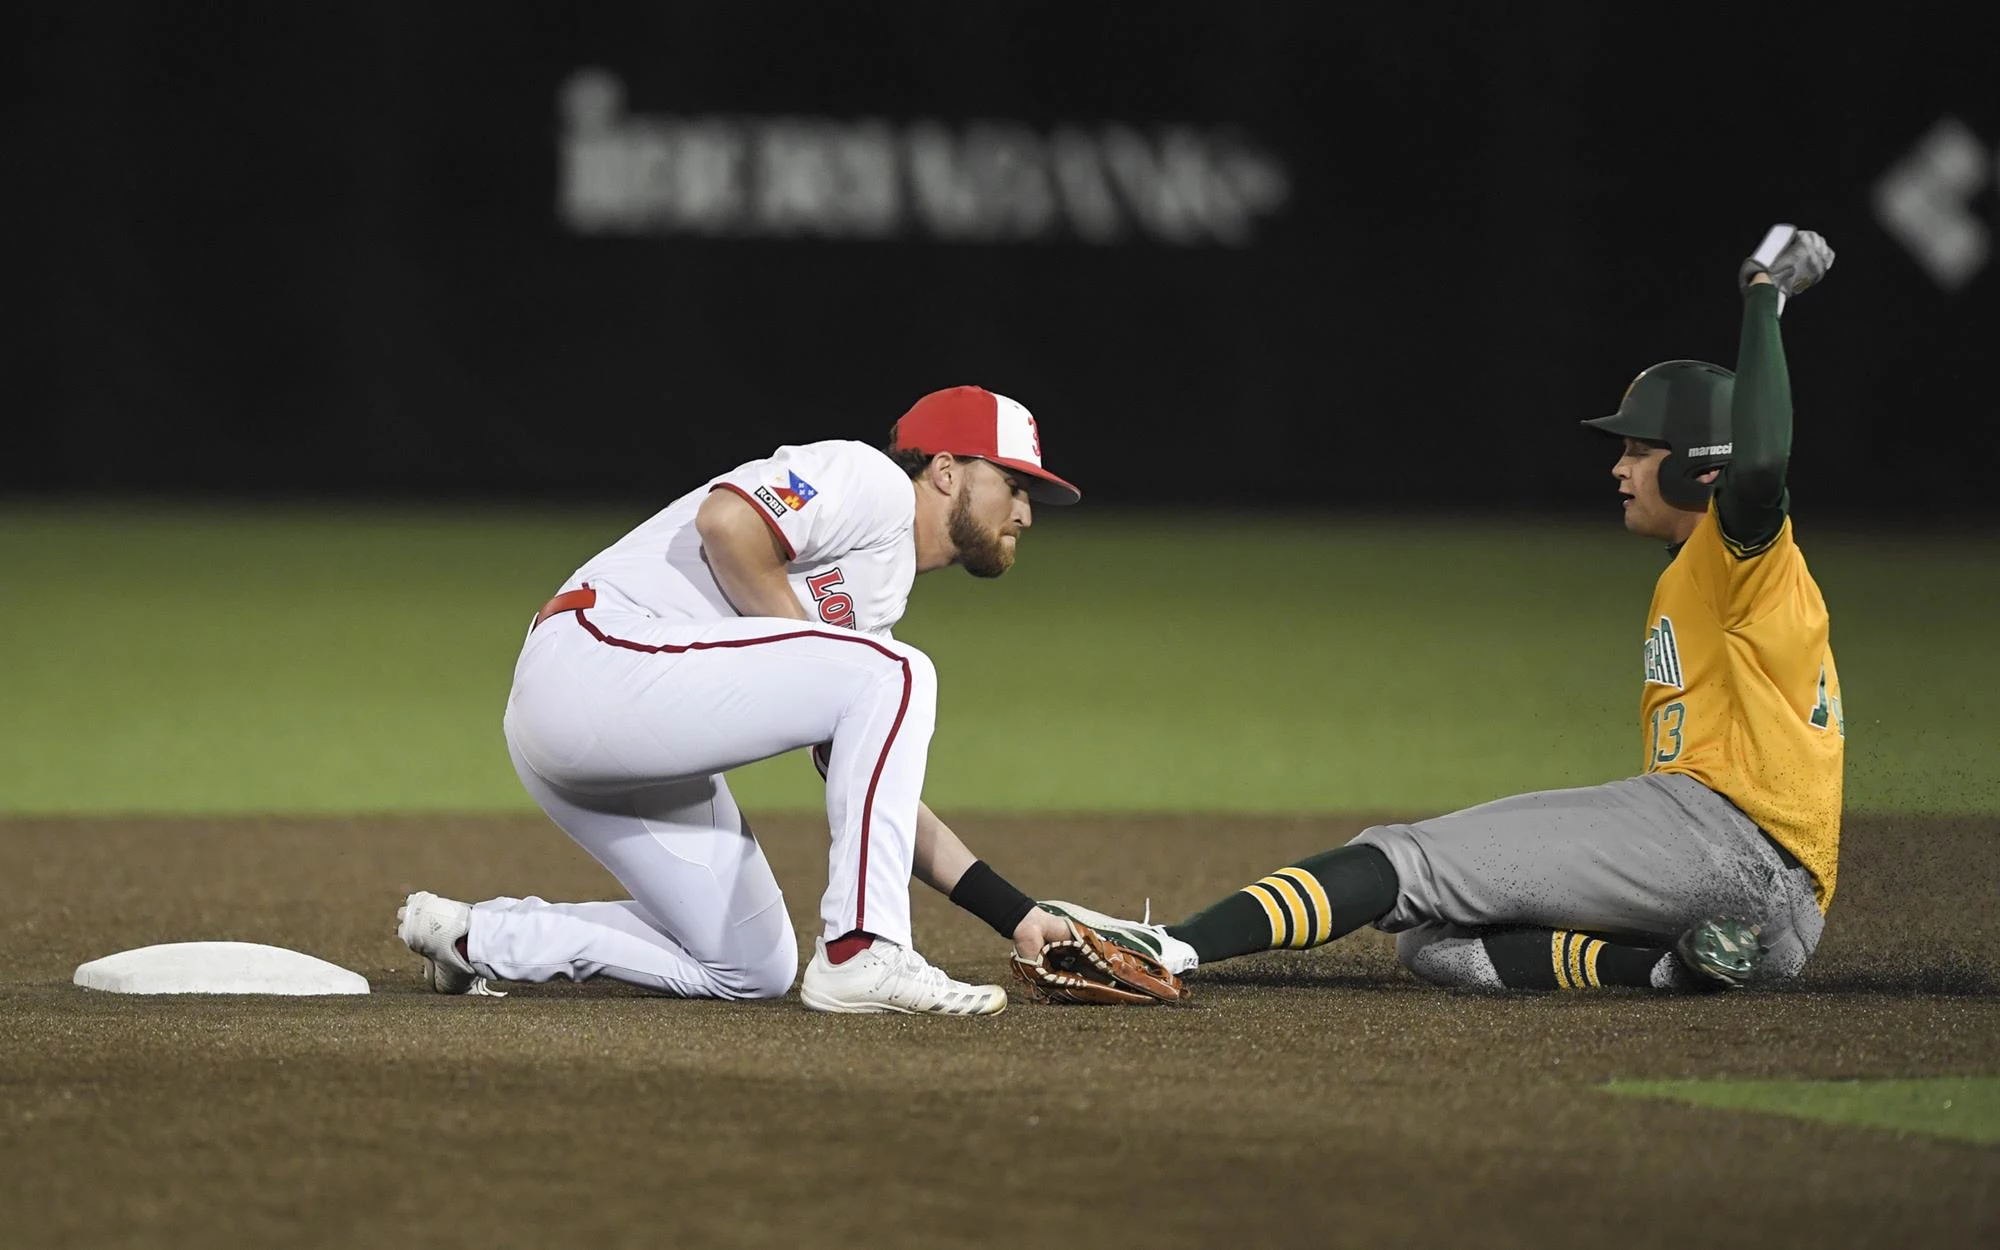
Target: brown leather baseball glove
[(1087, 968)]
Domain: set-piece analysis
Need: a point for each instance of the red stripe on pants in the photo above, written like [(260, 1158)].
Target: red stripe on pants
[(881, 761)]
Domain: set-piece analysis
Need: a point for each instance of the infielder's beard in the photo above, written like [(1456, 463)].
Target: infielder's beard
[(982, 551)]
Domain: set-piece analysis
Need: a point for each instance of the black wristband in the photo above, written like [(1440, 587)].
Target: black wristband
[(989, 896)]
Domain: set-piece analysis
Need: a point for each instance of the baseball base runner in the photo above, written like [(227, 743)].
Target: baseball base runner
[(1717, 863)]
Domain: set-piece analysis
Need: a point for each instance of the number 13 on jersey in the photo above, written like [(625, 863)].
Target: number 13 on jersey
[(1668, 722), (1668, 728)]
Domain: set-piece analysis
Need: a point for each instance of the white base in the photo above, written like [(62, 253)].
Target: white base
[(217, 968)]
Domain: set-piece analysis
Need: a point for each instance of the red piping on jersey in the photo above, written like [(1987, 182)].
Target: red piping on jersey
[(759, 509), (568, 601), (881, 761)]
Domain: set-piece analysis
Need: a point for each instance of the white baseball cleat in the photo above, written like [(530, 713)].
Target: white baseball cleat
[(1137, 935), (888, 977), (431, 926)]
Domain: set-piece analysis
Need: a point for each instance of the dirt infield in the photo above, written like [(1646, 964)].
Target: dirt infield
[(1320, 1098)]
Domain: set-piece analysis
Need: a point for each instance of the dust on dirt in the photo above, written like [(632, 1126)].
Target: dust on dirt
[(1320, 1097)]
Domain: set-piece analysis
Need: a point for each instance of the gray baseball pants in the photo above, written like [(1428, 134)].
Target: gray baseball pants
[(1639, 860)]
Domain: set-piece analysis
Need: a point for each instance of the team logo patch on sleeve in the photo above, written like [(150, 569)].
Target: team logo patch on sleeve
[(796, 493)]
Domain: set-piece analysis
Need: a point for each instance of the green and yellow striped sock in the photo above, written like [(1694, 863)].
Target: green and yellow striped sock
[(1296, 905), (1307, 904), (1565, 959)]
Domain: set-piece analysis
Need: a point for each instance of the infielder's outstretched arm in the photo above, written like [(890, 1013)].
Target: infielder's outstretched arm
[(945, 864), (746, 557), (941, 857)]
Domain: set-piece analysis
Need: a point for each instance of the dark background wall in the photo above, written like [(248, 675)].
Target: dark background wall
[(1277, 253)]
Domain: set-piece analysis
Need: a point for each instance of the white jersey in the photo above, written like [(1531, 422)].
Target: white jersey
[(844, 513)]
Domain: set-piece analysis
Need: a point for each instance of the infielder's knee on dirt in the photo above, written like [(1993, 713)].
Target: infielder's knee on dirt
[(769, 975), (532, 940)]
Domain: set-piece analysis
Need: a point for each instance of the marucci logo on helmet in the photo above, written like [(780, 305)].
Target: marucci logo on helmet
[(1718, 449)]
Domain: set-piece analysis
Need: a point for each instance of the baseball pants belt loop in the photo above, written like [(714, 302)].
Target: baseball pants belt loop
[(568, 601)]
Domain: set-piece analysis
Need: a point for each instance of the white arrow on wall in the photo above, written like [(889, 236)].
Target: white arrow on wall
[(1924, 201)]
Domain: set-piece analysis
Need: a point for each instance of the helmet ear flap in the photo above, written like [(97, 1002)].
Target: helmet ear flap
[(1681, 484)]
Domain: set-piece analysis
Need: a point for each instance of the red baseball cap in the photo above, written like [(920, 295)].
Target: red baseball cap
[(975, 422)]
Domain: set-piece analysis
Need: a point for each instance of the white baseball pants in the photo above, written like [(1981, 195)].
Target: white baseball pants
[(621, 726)]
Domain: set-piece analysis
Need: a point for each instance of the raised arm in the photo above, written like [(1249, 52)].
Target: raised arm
[(1751, 498)]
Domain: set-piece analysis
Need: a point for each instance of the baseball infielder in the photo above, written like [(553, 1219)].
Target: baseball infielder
[(1717, 863), (750, 617)]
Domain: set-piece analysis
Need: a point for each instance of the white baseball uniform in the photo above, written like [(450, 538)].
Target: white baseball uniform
[(625, 714)]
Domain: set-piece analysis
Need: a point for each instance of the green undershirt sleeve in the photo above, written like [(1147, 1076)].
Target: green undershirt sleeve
[(1751, 498)]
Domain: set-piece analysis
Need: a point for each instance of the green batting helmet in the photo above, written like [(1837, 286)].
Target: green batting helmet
[(1684, 404)]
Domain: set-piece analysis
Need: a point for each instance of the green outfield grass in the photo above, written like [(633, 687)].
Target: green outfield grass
[(346, 659), (1961, 1108)]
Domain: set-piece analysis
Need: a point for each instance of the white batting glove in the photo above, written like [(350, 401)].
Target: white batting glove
[(1795, 259)]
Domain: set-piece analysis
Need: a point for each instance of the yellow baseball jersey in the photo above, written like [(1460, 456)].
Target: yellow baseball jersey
[(1741, 692)]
